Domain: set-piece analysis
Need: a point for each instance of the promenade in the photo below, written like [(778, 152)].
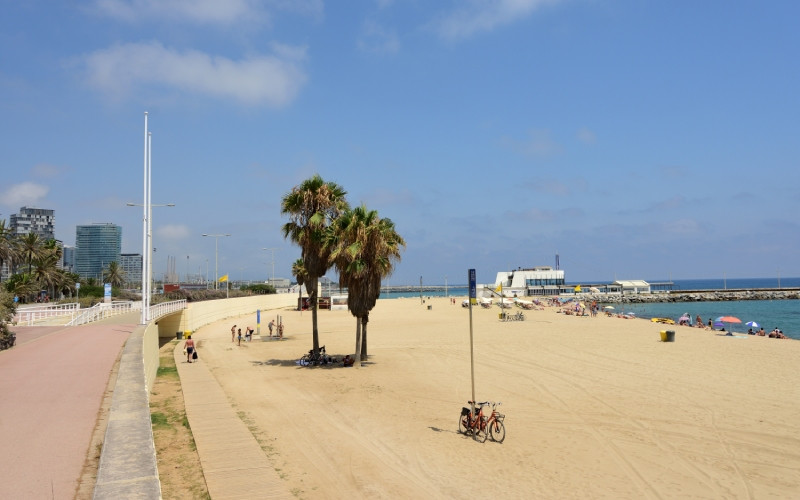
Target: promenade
[(52, 384), (233, 462)]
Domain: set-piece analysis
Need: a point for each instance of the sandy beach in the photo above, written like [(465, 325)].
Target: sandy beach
[(595, 407)]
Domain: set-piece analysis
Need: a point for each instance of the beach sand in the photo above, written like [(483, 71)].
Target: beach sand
[(595, 407)]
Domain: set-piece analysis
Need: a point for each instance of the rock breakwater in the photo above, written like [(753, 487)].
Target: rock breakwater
[(711, 296)]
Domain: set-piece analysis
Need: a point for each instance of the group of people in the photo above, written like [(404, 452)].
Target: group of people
[(776, 333)]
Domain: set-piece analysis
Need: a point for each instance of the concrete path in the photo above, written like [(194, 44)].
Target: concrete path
[(51, 387), (233, 462)]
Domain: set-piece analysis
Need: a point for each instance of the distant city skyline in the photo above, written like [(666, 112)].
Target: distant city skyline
[(635, 139)]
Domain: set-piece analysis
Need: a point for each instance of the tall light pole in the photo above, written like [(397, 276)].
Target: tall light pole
[(147, 256), (272, 281), (216, 256)]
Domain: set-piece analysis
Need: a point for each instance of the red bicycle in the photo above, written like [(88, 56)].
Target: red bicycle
[(494, 423), (474, 421)]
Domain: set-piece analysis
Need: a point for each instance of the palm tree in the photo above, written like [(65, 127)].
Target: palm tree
[(299, 272), (47, 273), (8, 249), (31, 249), (312, 207), (114, 274), (364, 248)]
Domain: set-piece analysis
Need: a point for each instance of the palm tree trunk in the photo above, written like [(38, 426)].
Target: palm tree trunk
[(364, 322), (312, 303), (357, 355)]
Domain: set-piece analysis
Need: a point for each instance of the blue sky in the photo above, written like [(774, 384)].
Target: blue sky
[(636, 139)]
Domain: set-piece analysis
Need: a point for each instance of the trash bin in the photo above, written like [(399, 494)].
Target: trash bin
[(179, 335), (667, 336)]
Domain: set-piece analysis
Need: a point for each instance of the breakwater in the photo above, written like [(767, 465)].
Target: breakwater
[(703, 296)]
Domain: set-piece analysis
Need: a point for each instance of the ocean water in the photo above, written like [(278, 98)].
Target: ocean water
[(783, 314)]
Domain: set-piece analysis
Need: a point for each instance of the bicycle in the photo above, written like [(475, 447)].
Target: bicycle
[(497, 429), (474, 423)]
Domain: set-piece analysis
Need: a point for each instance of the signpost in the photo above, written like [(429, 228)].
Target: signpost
[(472, 297)]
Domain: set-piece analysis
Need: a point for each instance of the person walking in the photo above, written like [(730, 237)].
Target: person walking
[(233, 333), (271, 325), (189, 348)]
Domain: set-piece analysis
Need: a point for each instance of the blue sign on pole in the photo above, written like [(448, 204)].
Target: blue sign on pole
[(472, 286), (107, 292)]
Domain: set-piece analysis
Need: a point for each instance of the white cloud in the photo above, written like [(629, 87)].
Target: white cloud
[(173, 232), (586, 136), (26, 193), (485, 15), (376, 38), (197, 11), (265, 79), (539, 144)]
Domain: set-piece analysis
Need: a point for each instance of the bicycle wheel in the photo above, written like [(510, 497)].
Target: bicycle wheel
[(463, 424), (481, 431), (498, 431)]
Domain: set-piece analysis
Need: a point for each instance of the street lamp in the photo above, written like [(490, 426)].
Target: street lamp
[(216, 256), (272, 281), (147, 256), (147, 227)]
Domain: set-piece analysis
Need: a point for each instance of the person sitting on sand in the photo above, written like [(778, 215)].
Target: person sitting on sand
[(348, 361), (751, 332), (761, 333)]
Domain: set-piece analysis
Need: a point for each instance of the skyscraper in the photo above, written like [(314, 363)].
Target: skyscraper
[(131, 264), (40, 221), (96, 246)]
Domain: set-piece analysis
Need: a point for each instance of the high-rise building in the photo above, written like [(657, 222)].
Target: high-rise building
[(40, 221), (69, 259), (131, 264), (96, 246)]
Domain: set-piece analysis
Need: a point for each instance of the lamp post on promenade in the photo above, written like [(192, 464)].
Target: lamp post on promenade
[(272, 280), (216, 256), (147, 256), (147, 228)]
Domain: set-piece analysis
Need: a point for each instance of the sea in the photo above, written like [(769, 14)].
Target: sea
[(769, 314)]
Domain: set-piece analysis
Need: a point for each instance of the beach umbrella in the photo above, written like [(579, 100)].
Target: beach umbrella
[(729, 319), (752, 324)]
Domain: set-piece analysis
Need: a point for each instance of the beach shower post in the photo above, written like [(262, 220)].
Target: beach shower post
[(472, 296)]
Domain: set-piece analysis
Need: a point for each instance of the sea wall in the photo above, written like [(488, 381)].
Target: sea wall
[(708, 296)]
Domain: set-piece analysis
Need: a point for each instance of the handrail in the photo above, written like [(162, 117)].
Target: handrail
[(30, 315), (164, 308), (104, 310)]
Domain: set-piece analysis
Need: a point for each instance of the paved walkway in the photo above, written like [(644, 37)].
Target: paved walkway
[(51, 387), (233, 462)]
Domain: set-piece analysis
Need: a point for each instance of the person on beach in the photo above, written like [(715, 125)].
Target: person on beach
[(271, 325), (248, 334), (240, 337), (189, 347), (761, 332), (698, 321), (233, 333), (280, 331)]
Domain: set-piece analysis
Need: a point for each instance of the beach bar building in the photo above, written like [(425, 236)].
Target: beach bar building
[(632, 286), (540, 280)]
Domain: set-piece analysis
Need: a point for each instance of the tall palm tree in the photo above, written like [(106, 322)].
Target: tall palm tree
[(47, 273), (299, 272), (8, 249), (312, 207), (114, 274), (364, 248), (31, 246)]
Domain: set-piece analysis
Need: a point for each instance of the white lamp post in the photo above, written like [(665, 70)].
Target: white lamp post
[(216, 256), (147, 209), (272, 281)]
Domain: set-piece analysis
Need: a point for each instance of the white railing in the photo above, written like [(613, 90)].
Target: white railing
[(103, 310), (165, 308), (38, 313)]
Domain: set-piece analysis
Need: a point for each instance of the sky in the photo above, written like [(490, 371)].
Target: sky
[(635, 139)]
